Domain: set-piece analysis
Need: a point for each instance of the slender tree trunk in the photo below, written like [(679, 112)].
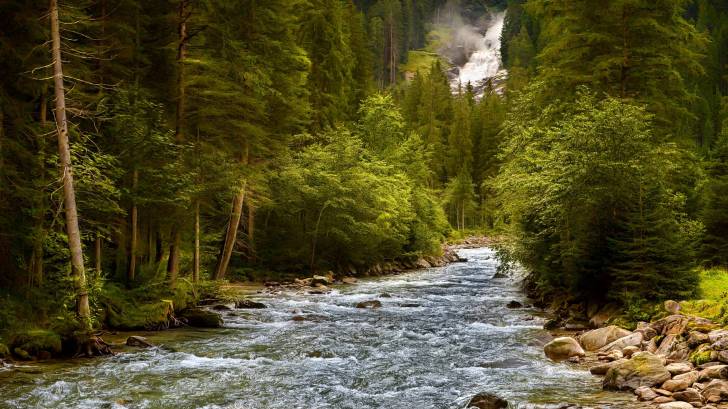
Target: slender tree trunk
[(232, 232), (158, 248), (315, 237), (131, 273), (236, 213), (196, 266), (97, 253), (173, 260), (251, 230), (69, 195)]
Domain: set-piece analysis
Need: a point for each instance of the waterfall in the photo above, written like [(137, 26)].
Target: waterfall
[(484, 63)]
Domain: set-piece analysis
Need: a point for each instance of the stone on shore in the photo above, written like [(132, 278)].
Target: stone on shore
[(714, 372), (681, 382), (598, 338), (487, 401), (679, 368), (634, 339), (602, 369), (645, 393), (716, 391), (644, 369), (688, 395), (675, 405), (563, 348)]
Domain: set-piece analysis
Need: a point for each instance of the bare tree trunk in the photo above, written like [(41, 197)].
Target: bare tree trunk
[(236, 213), (131, 273), (69, 195), (173, 261), (158, 248), (315, 237), (232, 232), (196, 264)]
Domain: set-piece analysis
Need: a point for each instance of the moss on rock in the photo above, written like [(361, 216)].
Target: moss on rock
[(35, 341)]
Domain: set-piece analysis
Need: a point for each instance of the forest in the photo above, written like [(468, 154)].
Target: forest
[(154, 151)]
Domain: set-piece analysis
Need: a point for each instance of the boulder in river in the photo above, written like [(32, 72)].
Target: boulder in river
[(249, 304), (486, 400), (369, 304), (349, 280), (321, 280), (197, 317), (644, 369), (137, 341), (563, 348), (598, 338), (514, 304)]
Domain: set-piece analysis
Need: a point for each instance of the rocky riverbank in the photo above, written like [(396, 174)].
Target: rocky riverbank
[(676, 362)]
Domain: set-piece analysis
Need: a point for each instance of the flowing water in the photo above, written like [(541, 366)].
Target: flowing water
[(442, 335)]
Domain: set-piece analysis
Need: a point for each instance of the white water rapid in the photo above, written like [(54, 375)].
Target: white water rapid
[(485, 62)]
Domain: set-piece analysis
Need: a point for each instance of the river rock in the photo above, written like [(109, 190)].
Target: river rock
[(697, 338), (318, 280), (644, 369), (666, 345), (249, 304), (716, 391), (197, 317), (679, 368), (688, 395), (714, 372), (663, 399), (563, 348), (675, 405), (715, 336), (672, 307), (645, 393), (601, 369), (681, 382), (349, 280), (671, 325), (486, 400), (630, 350), (137, 341), (514, 305), (680, 352), (369, 304), (598, 338), (633, 339), (422, 263)]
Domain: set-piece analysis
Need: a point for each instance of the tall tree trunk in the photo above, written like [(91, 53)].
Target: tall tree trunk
[(131, 273), (232, 232), (251, 230), (69, 195), (173, 260), (315, 238), (97, 253), (196, 264), (236, 213), (158, 248)]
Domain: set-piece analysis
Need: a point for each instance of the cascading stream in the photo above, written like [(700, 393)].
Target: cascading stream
[(441, 335), (485, 62)]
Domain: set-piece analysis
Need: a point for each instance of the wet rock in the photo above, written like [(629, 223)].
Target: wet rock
[(409, 305), (514, 304), (679, 368), (422, 263), (197, 317), (672, 307), (298, 318), (681, 382), (369, 304), (644, 369), (598, 338), (487, 401), (552, 324), (675, 405), (385, 295), (349, 280), (645, 393), (320, 289), (688, 395), (716, 391), (221, 307), (137, 341), (249, 304), (500, 274), (563, 348)]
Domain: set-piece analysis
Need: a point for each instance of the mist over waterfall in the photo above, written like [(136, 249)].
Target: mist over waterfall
[(484, 64)]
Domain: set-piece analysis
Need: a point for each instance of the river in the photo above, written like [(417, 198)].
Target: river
[(442, 335)]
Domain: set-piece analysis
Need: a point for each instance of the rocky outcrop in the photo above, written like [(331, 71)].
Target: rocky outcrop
[(563, 348)]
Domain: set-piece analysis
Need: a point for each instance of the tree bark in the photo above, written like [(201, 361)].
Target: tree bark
[(183, 15), (251, 231), (131, 273), (69, 195)]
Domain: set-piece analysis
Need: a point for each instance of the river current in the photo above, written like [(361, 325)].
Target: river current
[(441, 335)]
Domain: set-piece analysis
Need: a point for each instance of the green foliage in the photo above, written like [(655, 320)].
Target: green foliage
[(585, 189)]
